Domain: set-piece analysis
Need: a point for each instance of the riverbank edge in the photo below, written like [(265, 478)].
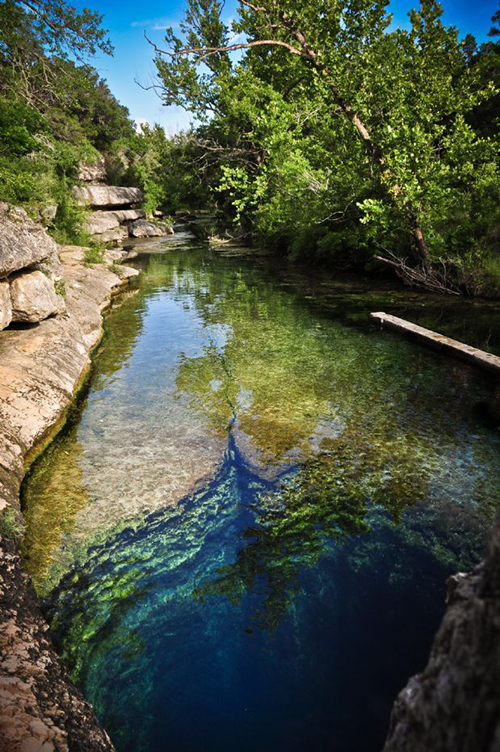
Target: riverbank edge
[(43, 368)]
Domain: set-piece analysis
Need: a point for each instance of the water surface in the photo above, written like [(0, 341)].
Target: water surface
[(243, 537)]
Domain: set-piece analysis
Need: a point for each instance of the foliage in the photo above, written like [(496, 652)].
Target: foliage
[(329, 122), (54, 113), (167, 170), (10, 525), (94, 255)]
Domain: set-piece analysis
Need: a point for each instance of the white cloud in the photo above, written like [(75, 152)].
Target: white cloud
[(158, 24), (139, 122)]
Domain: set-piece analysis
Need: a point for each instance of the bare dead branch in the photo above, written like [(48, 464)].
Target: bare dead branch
[(423, 276)]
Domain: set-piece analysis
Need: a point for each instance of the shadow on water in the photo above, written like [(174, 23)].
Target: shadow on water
[(255, 515)]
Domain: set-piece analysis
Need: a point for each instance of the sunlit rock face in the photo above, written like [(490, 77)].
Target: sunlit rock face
[(5, 305), (107, 196), (23, 242), (29, 265), (34, 297), (94, 172), (40, 368)]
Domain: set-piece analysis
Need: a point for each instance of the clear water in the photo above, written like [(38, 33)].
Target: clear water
[(243, 537)]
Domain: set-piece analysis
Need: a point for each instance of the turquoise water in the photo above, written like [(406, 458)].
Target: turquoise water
[(243, 537)]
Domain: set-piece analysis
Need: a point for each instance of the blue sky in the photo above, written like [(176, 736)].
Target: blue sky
[(133, 59)]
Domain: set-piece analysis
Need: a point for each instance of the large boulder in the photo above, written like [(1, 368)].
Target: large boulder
[(34, 298), (107, 196), (101, 221), (23, 242), (142, 228), (5, 305)]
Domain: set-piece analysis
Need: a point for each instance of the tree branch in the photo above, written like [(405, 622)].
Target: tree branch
[(208, 51)]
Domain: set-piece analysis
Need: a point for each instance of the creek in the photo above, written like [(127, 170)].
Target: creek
[(243, 535)]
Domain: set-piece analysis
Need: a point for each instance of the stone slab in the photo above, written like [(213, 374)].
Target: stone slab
[(102, 196)]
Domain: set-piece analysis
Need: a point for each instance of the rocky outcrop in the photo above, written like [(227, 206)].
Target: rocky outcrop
[(115, 214), (142, 228), (107, 196), (93, 173), (454, 705), (116, 236), (33, 297), (29, 266), (40, 369), (40, 709), (102, 221), (23, 241)]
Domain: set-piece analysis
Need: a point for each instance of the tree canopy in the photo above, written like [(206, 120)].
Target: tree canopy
[(331, 124)]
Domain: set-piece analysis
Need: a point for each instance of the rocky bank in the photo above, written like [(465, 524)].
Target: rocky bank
[(116, 210), (454, 704), (41, 367)]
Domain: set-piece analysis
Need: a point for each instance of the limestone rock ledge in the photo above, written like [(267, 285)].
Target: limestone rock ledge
[(454, 705), (23, 241), (39, 707), (40, 369)]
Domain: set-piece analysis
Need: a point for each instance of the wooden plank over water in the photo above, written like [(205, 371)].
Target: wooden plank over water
[(470, 354)]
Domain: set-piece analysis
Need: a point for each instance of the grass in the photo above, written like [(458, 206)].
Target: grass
[(60, 287), (94, 255), (10, 525)]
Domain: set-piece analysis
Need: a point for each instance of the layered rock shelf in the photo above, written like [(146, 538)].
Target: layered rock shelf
[(116, 212), (29, 270), (41, 368)]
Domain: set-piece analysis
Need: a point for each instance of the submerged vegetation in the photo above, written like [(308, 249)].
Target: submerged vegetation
[(351, 475)]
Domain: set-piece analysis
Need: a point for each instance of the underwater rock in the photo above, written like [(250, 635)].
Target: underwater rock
[(454, 704)]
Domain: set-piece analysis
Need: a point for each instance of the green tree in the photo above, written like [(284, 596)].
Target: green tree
[(404, 96)]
